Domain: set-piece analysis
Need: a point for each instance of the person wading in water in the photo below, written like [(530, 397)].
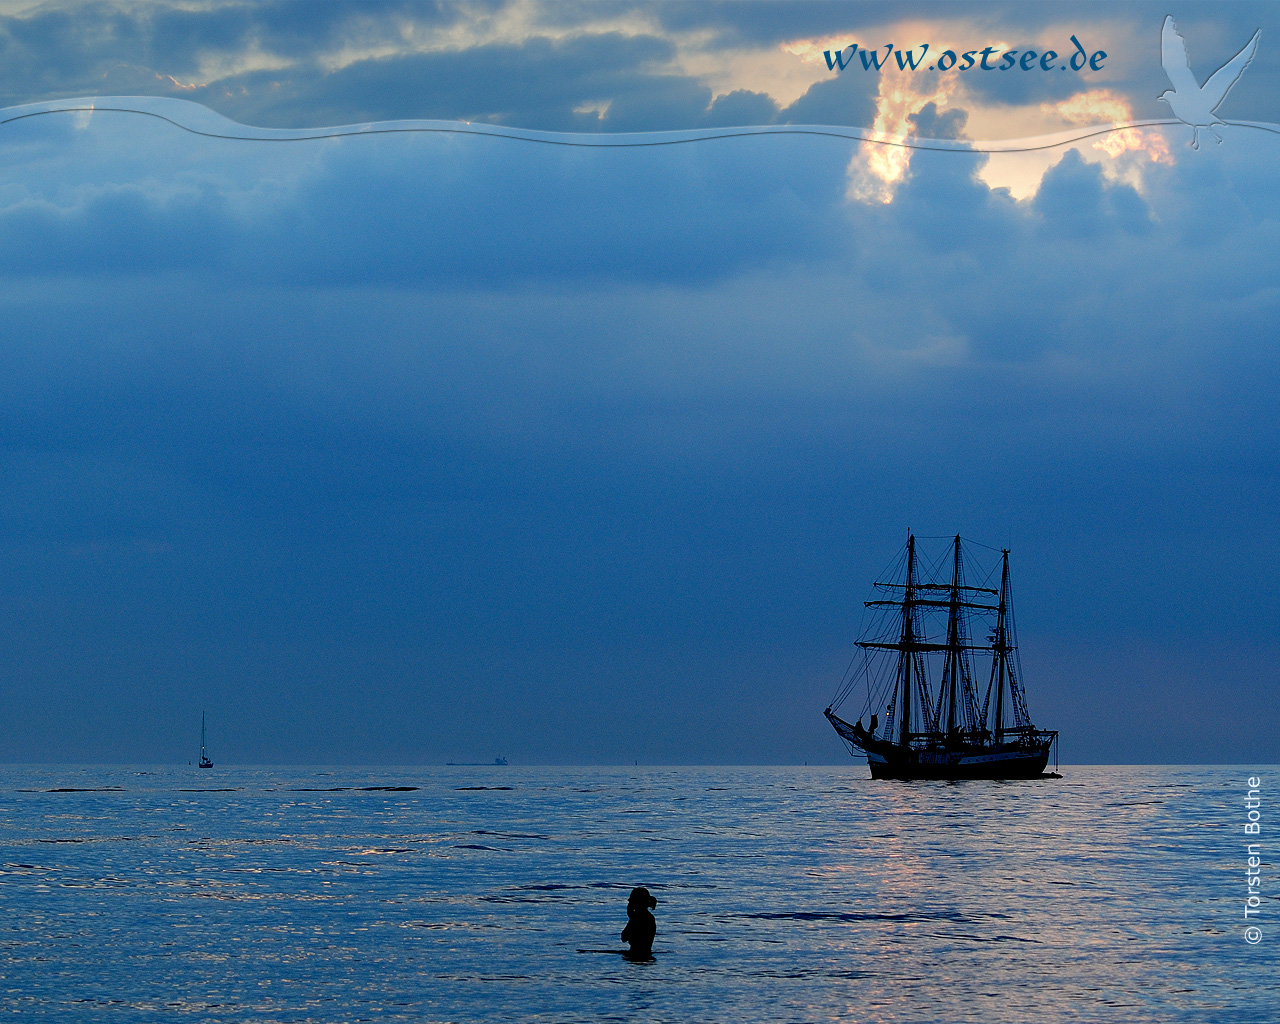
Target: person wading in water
[(641, 927)]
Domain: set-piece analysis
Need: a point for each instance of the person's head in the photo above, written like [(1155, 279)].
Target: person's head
[(641, 900)]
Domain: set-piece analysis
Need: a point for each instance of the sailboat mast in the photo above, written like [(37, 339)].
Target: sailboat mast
[(1001, 647), (202, 757), (908, 640), (953, 640)]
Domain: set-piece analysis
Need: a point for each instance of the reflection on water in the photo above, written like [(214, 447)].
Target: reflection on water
[(467, 894)]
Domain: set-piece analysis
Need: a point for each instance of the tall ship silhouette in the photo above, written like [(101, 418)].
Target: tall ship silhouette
[(920, 635)]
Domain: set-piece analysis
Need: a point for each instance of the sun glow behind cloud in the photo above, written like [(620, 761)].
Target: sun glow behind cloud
[(876, 168), (1101, 106), (1122, 155), (880, 165)]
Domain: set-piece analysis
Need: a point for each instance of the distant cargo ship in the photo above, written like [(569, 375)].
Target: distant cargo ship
[(905, 644)]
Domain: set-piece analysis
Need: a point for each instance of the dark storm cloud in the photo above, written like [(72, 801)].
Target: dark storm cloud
[(1076, 202), (1089, 267), (78, 49), (441, 210), (68, 46), (769, 23), (930, 124), (159, 50), (842, 100), (537, 84)]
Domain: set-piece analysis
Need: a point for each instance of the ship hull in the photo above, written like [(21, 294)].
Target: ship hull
[(1003, 765), (1026, 760)]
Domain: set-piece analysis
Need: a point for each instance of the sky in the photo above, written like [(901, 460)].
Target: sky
[(424, 447)]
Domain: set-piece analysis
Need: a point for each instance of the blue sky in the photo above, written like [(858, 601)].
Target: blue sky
[(427, 447)]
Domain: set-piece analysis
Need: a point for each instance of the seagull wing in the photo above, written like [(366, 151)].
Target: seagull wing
[(1220, 83), (1173, 55)]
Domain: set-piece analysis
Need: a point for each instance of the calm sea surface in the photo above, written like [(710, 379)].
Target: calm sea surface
[(784, 894)]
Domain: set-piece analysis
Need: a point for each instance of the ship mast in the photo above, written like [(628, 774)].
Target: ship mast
[(953, 641), (907, 644), (1001, 647), (204, 757)]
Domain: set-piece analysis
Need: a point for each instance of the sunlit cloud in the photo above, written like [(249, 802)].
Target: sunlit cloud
[(775, 71), (1103, 107), (218, 66), (813, 51), (1121, 155), (876, 169), (512, 24)]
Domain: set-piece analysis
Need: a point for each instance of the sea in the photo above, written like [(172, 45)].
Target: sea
[(497, 893)]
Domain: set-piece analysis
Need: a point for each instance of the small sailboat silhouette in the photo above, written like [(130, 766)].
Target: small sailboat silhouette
[(204, 759)]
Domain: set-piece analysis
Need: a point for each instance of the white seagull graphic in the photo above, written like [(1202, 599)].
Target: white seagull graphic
[(1191, 102)]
